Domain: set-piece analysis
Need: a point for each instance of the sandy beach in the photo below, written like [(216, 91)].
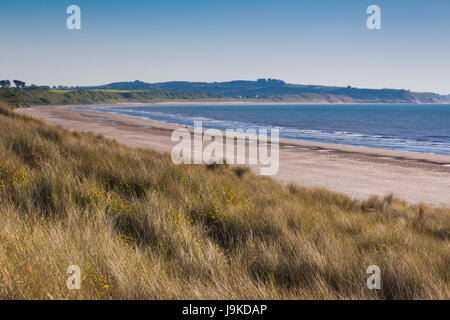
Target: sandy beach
[(356, 171)]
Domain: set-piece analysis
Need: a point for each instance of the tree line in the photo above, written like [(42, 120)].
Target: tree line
[(7, 84)]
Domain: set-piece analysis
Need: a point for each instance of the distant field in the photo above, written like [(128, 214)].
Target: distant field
[(59, 91), (106, 90), (64, 91)]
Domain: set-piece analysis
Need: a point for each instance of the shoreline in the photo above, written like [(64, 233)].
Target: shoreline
[(356, 171), (433, 158)]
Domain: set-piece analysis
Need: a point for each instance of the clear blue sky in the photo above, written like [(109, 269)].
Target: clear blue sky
[(309, 42)]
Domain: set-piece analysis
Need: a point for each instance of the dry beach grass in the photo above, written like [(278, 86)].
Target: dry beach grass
[(140, 227), (355, 171)]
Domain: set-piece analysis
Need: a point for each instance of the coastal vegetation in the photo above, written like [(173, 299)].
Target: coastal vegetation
[(140, 227), (262, 90), (35, 95)]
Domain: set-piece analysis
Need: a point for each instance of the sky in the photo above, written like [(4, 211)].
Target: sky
[(322, 42)]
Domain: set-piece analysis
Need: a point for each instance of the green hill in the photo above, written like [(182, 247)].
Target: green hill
[(39, 96), (278, 90), (263, 90)]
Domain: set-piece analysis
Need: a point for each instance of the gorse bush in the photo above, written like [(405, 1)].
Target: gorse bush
[(140, 227)]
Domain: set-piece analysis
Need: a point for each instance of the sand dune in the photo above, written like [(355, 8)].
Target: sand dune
[(357, 171)]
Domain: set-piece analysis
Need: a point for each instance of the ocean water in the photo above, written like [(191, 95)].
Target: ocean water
[(418, 128)]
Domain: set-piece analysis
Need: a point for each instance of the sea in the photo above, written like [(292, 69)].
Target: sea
[(405, 127)]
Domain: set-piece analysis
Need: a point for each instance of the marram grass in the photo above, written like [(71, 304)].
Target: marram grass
[(140, 227)]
